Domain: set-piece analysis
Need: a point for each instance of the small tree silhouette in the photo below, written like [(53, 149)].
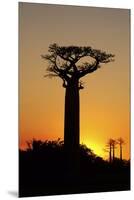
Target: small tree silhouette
[(109, 149), (65, 63), (114, 143), (121, 142)]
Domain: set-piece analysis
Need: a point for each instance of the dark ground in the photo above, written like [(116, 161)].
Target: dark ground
[(44, 170)]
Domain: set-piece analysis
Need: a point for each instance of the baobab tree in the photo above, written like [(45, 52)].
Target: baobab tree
[(65, 63), (109, 149), (114, 143), (121, 142)]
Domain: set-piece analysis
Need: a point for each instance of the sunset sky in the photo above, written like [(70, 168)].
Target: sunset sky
[(105, 100)]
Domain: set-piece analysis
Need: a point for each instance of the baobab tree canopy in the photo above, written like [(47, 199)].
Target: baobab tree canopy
[(63, 61)]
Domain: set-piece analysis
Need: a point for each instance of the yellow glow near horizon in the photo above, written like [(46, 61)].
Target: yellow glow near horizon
[(96, 147)]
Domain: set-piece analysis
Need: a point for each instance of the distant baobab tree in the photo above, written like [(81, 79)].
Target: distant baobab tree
[(65, 62), (121, 142), (109, 148), (114, 143)]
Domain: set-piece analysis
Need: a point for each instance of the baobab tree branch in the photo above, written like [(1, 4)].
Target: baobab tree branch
[(53, 68), (64, 83), (89, 68), (64, 58)]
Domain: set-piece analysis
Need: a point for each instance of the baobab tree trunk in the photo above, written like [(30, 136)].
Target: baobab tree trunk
[(110, 156), (113, 153), (71, 123), (120, 152)]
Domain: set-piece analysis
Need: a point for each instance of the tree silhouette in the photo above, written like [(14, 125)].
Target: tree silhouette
[(121, 142), (66, 63), (114, 143), (109, 147)]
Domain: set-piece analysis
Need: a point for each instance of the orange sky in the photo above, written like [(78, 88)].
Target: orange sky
[(105, 100)]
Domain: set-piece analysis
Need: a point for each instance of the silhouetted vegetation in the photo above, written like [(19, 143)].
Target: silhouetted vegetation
[(44, 170), (121, 142)]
